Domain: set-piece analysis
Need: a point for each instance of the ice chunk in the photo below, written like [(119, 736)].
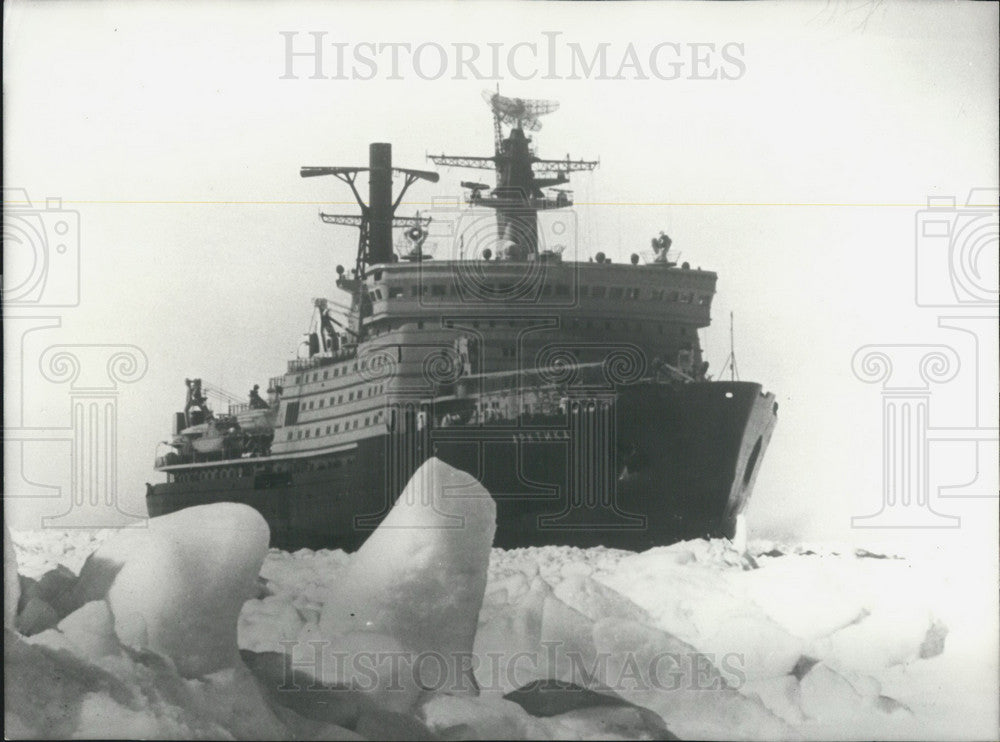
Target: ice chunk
[(765, 649), (415, 586), (55, 588), (596, 601), (36, 616), (889, 635), (11, 581), (508, 644), (625, 722), (92, 630), (828, 696), (779, 695), (177, 586), (59, 695), (454, 718), (650, 668)]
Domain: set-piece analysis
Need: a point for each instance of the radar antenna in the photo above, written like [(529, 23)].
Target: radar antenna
[(517, 113), (521, 176)]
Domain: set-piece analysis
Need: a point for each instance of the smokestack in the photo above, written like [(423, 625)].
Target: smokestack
[(380, 203)]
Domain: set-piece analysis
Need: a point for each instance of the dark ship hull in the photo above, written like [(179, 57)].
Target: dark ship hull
[(651, 464)]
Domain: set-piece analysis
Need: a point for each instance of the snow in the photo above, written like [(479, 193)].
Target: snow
[(191, 628)]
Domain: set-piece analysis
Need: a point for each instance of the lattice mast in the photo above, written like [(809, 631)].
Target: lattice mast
[(518, 195)]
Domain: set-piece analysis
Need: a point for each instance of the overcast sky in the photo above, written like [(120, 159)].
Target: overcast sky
[(787, 146)]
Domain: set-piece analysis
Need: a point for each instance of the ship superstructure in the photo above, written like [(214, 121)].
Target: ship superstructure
[(574, 390)]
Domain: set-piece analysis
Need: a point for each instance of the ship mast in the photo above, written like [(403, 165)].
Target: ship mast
[(377, 218), (518, 196)]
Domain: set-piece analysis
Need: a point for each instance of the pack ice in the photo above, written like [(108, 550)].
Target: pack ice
[(191, 628)]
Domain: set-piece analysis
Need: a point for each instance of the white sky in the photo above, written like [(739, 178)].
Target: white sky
[(863, 108)]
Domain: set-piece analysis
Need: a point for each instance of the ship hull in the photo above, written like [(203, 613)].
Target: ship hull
[(649, 465)]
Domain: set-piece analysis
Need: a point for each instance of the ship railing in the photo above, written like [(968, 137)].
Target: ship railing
[(304, 364)]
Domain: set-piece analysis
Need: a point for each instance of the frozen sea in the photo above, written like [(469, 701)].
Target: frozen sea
[(719, 640)]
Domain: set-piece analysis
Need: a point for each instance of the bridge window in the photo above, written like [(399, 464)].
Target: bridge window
[(328, 430), (355, 424), (615, 293), (420, 325), (290, 435), (350, 396), (633, 293), (336, 428), (687, 297), (703, 300), (598, 291), (395, 292), (317, 432), (438, 290), (368, 421), (656, 294), (671, 296)]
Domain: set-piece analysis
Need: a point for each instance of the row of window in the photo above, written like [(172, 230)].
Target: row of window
[(612, 293), (331, 373), (335, 428), (371, 391)]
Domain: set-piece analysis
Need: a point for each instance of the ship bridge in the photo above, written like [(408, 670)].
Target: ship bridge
[(427, 290)]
